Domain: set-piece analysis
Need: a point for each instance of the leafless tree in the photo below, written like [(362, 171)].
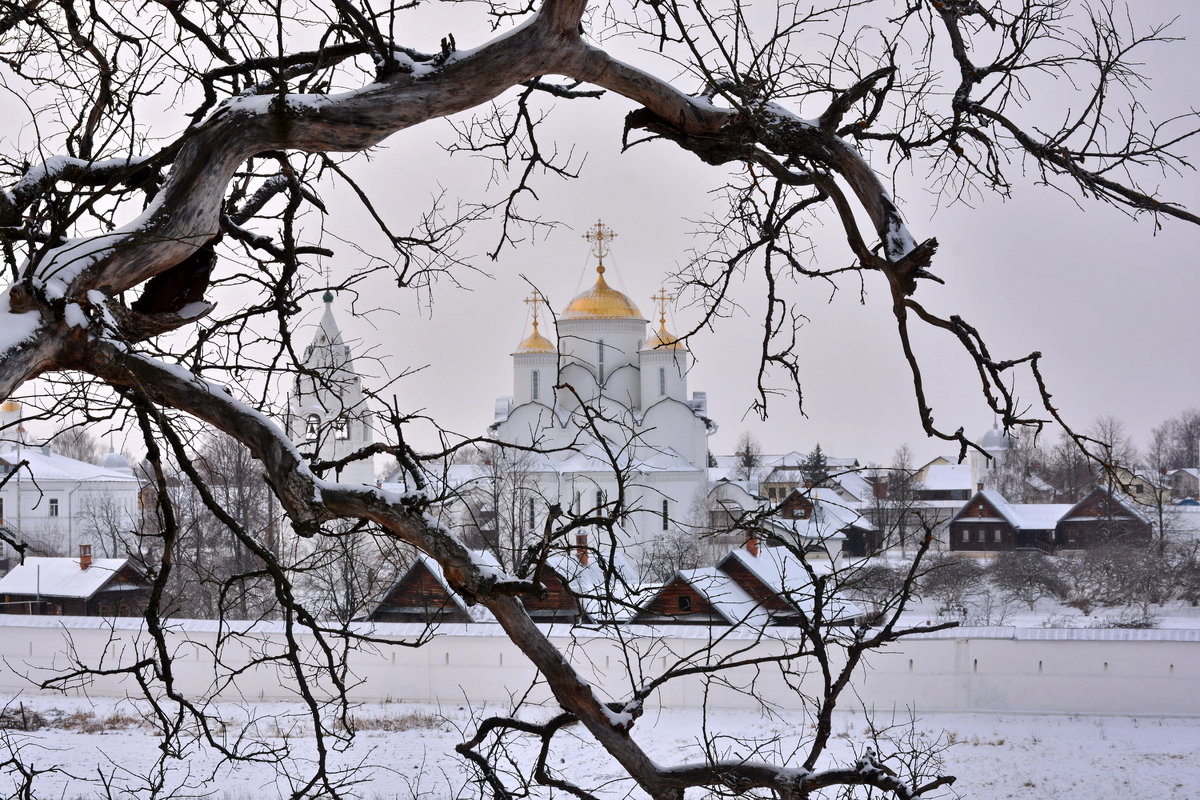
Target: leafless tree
[(75, 442), (506, 505), (749, 457), (1071, 473), (185, 152), (1026, 577)]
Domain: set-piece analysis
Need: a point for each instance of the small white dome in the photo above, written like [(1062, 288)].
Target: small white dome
[(115, 460), (995, 439)]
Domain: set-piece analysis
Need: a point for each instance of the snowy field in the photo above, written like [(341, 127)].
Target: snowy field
[(994, 756)]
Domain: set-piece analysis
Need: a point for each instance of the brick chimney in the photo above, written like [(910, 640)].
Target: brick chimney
[(85, 556), (581, 548), (751, 543)]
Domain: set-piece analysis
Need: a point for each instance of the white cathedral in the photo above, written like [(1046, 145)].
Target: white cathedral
[(604, 412), (607, 405)]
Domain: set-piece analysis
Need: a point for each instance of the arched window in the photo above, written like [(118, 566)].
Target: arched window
[(312, 426), (662, 381), (600, 359), (534, 384), (341, 429)]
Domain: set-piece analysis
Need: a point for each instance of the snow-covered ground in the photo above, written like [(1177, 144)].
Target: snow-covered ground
[(994, 756)]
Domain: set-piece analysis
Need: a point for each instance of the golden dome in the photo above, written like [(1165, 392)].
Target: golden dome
[(601, 302), (536, 343), (10, 406), (664, 340)]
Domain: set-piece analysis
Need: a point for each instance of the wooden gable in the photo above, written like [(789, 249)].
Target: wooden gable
[(753, 585), (1100, 503), (419, 596), (679, 602), (796, 506), (1101, 518), (979, 507), (557, 604)]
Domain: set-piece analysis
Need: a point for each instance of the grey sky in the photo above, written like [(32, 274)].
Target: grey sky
[(1108, 300)]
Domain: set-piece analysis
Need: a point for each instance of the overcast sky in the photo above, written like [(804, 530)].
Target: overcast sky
[(1109, 300)]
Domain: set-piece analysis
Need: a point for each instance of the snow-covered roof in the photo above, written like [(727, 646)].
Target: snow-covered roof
[(778, 568), (46, 465), (806, 529), (855, 484), (602, 593), (1037, 516), (787, 575), (725, 596), (1026, 516), (60, 577), (947, 478), (477, 613)]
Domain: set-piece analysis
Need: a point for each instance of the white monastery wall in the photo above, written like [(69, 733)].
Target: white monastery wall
[(997, 669)]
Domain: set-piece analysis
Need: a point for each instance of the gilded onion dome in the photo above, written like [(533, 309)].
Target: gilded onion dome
[(662, 339), (601, 302), (536, 343)]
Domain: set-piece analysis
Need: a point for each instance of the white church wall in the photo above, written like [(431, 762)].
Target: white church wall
[(976, 670)]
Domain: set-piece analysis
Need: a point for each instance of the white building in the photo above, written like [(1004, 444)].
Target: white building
[(327, 416), (56, 503), (608, 403)]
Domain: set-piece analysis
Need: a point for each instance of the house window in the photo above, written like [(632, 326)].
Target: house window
[(966, 535), (662, 381), (54, 506), (982, 536), (534, 384), (312, 426), (341, 429), (997, 537), (685, 603), (600, 359), (665, 513)]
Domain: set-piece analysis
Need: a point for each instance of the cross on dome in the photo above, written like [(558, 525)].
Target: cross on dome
[(662, 298), (535, 301), (535, 342), (600, 235)]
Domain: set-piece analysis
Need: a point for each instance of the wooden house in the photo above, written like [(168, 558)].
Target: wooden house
[(81, 587), (988, 524), (782, 585), (704, 596), (1102, 518), (421, 595)]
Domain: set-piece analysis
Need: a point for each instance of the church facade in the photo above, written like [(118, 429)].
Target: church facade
[(600, 422), (606, 409)]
